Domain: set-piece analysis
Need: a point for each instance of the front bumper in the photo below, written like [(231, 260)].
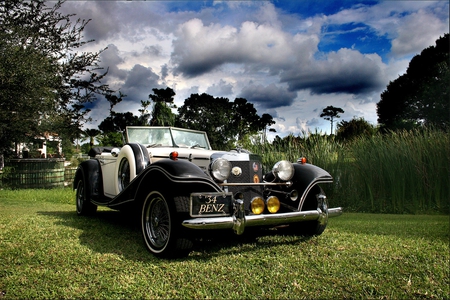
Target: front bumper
[(238, 221)]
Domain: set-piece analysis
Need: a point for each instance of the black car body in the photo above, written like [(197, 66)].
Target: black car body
[(180, 187)]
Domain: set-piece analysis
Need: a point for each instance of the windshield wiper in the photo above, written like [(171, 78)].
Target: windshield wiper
[(198, 146), (154, 145)]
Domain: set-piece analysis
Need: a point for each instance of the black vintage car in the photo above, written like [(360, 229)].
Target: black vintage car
[(181, 187)]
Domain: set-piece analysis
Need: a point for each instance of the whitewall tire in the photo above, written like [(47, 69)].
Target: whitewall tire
[(132, 159)]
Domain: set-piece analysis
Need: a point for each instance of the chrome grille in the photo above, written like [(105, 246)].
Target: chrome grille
[(248, 171)]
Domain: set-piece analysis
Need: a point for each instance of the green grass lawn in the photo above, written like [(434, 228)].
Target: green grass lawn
[(47, 251)]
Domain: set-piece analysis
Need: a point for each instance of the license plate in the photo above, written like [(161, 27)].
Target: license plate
[(210, 204)]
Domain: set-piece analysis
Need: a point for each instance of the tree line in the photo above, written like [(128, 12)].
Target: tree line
[(421, 96), (226, 122), (47, 86)]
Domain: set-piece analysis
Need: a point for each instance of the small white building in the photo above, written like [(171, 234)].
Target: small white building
[(23, 149)]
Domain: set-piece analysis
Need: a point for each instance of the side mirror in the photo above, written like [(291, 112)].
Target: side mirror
[(115, 152)]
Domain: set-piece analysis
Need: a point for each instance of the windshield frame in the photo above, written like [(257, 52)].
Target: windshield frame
[(163, 136)]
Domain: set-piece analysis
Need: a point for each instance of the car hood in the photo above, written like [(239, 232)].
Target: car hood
[(198, 156)]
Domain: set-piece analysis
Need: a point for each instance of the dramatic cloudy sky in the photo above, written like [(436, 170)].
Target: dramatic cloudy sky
[(290, 59)]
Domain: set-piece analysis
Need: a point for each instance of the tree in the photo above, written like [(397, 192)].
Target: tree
[(266, 121), (354, 128), (144, 114), (113, 100), (209, 114), (113, 127), (91, 134), (25, 92), (45, 84), (225, 122), (117, 122), (162, 114), (421, 95), (245, 120), (113, 139), (330, 113)]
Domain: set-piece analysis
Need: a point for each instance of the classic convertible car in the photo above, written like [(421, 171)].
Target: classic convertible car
[(181, 187)]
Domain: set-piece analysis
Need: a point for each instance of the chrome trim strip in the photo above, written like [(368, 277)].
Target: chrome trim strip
[(255, 184), (335, 212), (309, 187)]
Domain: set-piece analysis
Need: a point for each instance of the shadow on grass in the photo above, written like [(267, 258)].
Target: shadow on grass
[(119, 233)]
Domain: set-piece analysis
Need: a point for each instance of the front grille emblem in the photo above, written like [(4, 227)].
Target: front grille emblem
[(236, 171), (255, 179)]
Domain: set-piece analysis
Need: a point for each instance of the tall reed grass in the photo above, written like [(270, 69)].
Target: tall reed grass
[(400, 172)]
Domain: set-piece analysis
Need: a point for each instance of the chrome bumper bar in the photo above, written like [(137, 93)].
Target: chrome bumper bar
[(239, 221)]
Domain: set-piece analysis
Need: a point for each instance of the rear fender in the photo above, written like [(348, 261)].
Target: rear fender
[(91, 171), (306, 177)]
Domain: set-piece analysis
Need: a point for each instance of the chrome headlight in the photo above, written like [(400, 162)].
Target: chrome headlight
[(220, 169), (284, 170)]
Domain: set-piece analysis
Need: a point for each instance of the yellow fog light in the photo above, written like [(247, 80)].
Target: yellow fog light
[(273, 204), (257, 205)]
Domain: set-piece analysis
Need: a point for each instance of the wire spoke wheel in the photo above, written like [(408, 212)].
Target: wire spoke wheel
[(156, 223), (161, 228), (124, 174)]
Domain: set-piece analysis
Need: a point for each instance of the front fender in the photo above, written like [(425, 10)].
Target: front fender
[(306, 176), (90, 171), (170, 177)]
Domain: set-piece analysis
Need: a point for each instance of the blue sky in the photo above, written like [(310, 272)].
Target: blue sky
[(290, 59), (311, 8), (356, 36)]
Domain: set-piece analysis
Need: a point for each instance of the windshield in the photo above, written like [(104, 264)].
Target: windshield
[(167, 137), (150, 136), (194, 139)]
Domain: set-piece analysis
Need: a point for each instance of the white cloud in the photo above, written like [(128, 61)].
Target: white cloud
[(220, 89), (199, 49), (344, 71), (418, 31), (256, 51), (412, 25), (270, 96)]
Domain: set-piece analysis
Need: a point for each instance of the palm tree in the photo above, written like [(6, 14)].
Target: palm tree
[(91, 134)]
